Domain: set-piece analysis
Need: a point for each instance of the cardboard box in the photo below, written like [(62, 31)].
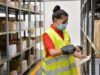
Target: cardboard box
[(3, 1), (98, 55), (16, 4), (13, 72), (25, 6), (32, 24), (40, 23), (17, 45), (30, 59), (36, 24), (31, 42), (11, 3), (24, 44), (2, 26), (97, 34), (17, 25), (14, 65), (36, 8), (11, 25), (24, 25), (12, 50), (24, 66), (30, 7)]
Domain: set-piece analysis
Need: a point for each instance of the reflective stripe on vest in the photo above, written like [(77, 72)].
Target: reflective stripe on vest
[(59, 70), (50, 61)]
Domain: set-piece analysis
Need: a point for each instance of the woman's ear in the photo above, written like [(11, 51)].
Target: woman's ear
[(55, 20)]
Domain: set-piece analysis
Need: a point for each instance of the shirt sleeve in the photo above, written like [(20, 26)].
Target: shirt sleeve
[(47, 42)]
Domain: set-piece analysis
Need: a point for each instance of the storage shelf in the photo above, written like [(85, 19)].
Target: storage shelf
[(3, 33), (36, 68), (22, 9), (13, 32), (17, 35), (3, 60), (14, 56), (2, 4), (25, 10), (85, 1), (87, 34), (91, 43), (48, 0), (27, 49), (30, 66)]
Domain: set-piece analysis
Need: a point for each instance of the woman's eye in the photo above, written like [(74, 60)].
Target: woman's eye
[(64, 22)]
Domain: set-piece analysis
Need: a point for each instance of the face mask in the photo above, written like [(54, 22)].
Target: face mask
[(62, 27)]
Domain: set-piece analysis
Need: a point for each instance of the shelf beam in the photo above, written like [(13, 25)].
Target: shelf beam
[(60, 0)]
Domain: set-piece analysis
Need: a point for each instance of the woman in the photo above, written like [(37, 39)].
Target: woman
[(56, 37)]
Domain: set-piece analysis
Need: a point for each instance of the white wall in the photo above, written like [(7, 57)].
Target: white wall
[(73, 9)]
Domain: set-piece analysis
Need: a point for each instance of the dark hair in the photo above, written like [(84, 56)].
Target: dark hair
[(57, 12)]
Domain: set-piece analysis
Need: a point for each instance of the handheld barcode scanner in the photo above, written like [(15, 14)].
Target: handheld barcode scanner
[(70, 49)]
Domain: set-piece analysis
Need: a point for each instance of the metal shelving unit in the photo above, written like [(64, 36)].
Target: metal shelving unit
[(23, 16), (88, 17)]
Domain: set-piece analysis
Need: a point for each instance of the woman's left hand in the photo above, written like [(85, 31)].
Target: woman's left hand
[(78, 53)]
